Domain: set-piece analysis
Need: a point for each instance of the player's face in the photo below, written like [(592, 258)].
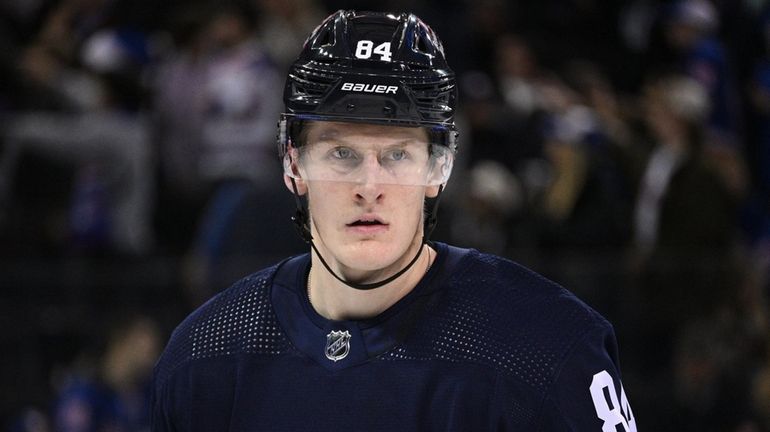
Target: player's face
[(370, 223)]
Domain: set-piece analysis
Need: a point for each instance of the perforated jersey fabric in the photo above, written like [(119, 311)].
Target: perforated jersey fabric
[(479, 344)]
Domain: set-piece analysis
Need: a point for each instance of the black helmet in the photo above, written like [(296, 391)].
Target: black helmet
[(374, 68)]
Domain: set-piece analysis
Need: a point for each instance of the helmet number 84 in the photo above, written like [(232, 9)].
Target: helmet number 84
[(365, 49)]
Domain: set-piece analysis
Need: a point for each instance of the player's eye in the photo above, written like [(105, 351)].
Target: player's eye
[(342, 153), (396, 155)]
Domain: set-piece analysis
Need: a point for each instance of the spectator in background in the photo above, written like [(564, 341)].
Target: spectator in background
[(178, 110), (503, 146), (115, 395), (674, 108), (482, 212), (586, 203), (241, 96), (50, 62), (284, 23), (218, 98), (503, 106), (683, 230), (82, 111), (213, 98), (691, 31), (583, 209), (519, 121)]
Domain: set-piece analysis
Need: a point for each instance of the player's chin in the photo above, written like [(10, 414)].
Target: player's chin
[(375, 254)]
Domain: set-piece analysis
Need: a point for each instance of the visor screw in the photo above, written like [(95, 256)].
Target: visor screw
[(388, 110), (351, 107)]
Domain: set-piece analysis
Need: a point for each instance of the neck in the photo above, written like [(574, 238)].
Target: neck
[(336, 301)]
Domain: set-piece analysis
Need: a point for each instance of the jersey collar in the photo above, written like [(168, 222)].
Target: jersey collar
[(314, 335)]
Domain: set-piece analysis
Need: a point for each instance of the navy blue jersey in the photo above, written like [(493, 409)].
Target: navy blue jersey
[(479, 344)]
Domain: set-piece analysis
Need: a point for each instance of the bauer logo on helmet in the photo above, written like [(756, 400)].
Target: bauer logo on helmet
[(369, 88)]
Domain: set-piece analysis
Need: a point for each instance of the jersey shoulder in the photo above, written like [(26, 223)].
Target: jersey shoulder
[(502, 315), (238, 320), (516, 295)]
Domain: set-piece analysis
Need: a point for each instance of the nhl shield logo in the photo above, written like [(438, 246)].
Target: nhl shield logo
[(337, 345)]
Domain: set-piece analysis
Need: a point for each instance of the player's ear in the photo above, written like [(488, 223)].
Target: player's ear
[(301, 185), (431, 191), (292, 172)]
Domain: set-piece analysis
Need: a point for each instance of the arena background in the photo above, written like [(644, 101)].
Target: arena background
[(620, 148)]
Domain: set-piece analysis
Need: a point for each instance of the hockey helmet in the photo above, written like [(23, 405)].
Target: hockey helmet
[(375, 68)]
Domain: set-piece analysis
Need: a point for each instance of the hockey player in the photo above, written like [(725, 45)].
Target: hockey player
[(377, 328)]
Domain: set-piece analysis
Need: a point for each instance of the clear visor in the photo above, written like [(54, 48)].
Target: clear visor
[(409, 162)]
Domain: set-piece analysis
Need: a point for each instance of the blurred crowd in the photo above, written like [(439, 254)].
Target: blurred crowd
[(620, 148)]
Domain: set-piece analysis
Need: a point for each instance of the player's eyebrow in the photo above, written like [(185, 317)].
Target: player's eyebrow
[(327, 134)]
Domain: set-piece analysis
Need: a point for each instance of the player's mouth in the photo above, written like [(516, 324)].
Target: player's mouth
[(367, 224)]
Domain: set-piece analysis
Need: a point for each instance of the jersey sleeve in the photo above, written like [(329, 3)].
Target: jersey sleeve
[(160, 419), (588, 394), (165, 397)]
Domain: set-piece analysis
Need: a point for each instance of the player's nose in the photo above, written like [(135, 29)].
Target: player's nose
[(369, 188)]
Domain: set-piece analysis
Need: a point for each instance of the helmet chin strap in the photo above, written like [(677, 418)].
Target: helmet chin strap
[(301, 222)]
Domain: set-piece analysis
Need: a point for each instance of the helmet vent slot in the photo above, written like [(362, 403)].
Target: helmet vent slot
[(419, 44), (326, 38), (375, 30)]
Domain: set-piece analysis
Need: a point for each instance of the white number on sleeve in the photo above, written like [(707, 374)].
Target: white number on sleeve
[(364, 50), (610, 411)]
